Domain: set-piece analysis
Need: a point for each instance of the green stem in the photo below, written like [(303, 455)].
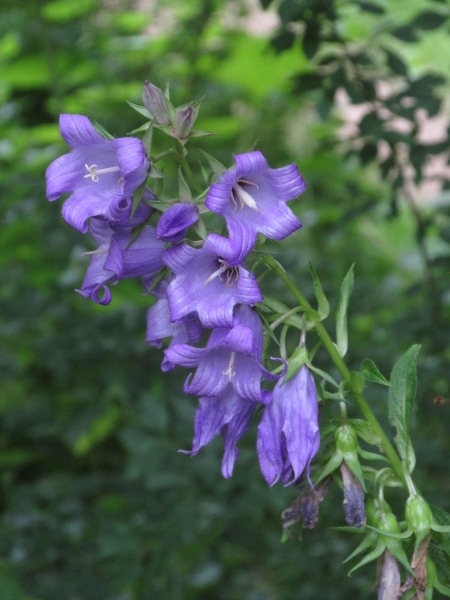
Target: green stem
[(345, 373), (159, 157), (187, 169)]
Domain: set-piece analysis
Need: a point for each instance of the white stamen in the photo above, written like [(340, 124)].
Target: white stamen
[(94, 171), (216, 274), (245, 197), (230, 371)]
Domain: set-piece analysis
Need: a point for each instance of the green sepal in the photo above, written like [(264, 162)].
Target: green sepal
[(331, 466), (322, 302), (364, 431), (440, 528), (324, 375), (101, 130), (199, 133), (341, 313), (148, 138), (397, 550), (217, 167), (159, 277), (352, 462), (200, 229), (367, 542), (378, 551), (295, 363), (137, 197), (396, 536), (170, 108), (372, 456), (140, 109), (140, 129), (155, 173), (183, 189), (371, 372)]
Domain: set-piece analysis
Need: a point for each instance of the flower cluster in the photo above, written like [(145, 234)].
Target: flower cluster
[(201, 288)]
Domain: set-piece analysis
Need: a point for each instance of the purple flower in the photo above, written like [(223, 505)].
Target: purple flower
[(227, 414), (231, 356), (115, 259), (96, 171), (159, 325), (288, 435), (204, 282), (252, 197), (174, 223)]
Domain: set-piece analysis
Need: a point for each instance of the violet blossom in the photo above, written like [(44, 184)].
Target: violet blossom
[(227, 414), (175, 221), (232, 355), (116, 259), (288, 435), (159, 325), (96, 171), (252, 197), (204, 282)]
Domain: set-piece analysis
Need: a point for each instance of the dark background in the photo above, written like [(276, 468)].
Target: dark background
[(95, 501)]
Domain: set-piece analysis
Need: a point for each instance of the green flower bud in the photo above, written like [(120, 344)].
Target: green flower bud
[(388, 523), (418, 516), (346, 439), (375, 508)]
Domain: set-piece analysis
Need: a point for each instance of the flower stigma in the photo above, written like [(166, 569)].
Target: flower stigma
[(94, 172), (230, 371)]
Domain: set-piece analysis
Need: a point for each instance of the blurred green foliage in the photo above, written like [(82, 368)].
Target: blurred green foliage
[(96, 503)]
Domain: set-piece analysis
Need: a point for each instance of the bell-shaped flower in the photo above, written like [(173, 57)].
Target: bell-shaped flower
[(204, 282), (227, 414), (116, 259), (159, 325), (288, 435), (252, 197), (96, 171), (174, 223), (232, 355)]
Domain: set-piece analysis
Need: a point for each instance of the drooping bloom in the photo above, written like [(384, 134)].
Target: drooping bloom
[(232, 355), (252, 197), (174, 223), (288, 435), (96, 171), (159, 325), (116, 259), (205, 283), (355, 513), (227, 414)]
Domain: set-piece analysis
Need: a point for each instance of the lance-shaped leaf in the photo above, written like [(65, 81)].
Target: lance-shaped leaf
[(402, 394), (341, 314), (372, 373), (323, 306)]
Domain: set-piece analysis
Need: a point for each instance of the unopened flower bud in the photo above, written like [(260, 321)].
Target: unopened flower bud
[(183, 122), (418, 516), (346, 439), (155, 102), (375, 509)]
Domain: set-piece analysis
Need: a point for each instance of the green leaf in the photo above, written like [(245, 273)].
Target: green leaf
[(323, 306), (101, 130), (341, 314), (402, 394), (440, 516), (371, 372)]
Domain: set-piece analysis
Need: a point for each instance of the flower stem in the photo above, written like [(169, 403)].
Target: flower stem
[(345, 373), (187, 169)]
